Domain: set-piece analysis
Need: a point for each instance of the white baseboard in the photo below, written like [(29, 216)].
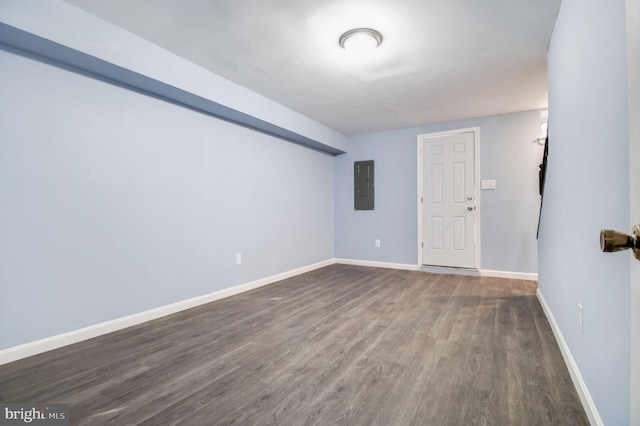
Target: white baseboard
[(43, 345), (374, 264), (578, 382), (511, 275), (410, 267)]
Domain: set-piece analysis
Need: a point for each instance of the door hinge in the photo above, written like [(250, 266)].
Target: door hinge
[(421, 200), (422, 244)]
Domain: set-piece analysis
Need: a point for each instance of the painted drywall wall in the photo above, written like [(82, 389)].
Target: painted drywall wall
[(113, 202), (509, 154), (587, 190)]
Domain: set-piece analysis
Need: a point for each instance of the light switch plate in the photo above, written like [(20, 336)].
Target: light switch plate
[(488, 184)]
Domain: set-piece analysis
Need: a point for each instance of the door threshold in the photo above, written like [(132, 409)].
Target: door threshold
[(448, 270)]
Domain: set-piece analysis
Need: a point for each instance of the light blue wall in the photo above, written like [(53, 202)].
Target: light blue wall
[(509, 214), (587, 190), (112, 202)]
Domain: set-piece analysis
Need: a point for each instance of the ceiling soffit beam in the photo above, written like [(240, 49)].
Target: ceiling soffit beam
[(25, 43)]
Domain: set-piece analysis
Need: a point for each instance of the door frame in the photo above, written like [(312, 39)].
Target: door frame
[(476, 153)]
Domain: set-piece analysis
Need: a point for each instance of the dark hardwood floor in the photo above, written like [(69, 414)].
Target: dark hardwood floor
[(340, 345)]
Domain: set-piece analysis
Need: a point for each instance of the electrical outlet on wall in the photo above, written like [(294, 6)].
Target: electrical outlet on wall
[(580, 317), (238, 258), (377, 243)]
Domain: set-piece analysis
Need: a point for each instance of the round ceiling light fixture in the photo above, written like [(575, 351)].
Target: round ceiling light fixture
[(360, 39)]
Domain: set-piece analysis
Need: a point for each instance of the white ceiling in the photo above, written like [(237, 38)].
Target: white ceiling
[(440, 60)]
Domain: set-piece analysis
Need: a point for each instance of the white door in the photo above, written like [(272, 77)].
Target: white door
[(449, 200), (633, 56)]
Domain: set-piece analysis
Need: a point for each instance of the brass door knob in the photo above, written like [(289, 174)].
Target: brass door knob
[(611, 241)]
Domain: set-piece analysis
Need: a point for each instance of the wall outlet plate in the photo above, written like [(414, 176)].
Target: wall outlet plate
[(377, 243), (580, 316), (238, 258)]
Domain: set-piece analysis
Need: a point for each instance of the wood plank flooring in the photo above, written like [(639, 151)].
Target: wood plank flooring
[(340, 345)]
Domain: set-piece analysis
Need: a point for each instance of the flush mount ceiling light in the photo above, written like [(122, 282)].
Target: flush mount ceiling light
[(360, 39)]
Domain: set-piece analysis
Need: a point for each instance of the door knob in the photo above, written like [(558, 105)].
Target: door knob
[(470, 208), (611, 241)]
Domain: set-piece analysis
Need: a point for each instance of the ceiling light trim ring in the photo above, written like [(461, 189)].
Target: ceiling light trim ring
[(368, 31)]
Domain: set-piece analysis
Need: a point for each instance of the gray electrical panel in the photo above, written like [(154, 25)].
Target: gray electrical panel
[(363, 185)]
